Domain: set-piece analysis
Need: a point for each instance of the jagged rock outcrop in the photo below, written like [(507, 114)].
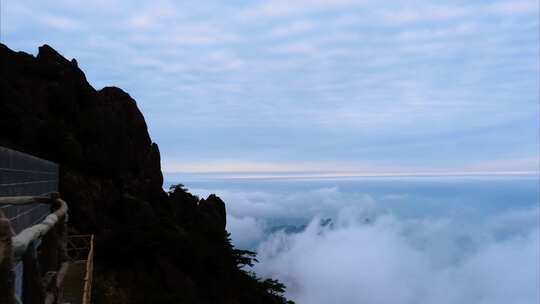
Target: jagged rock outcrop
[(152, 246)]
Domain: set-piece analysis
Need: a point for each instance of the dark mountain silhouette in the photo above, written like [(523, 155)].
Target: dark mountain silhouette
[(152, 246)]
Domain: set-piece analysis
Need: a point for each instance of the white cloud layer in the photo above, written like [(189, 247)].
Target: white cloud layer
[(394, 261), (246, 231), (289, 206), (373, 254)]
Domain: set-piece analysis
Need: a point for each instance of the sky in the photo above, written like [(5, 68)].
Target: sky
[(347, 86)]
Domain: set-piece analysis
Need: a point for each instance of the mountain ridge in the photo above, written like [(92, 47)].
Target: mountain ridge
[(152, 246)]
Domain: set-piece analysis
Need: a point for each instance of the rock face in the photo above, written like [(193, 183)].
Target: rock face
[(152, 246)]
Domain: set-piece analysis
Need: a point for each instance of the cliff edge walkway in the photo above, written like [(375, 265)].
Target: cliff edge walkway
[(39, 261)]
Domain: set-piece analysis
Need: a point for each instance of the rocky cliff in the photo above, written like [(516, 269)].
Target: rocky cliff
[(152, 246)]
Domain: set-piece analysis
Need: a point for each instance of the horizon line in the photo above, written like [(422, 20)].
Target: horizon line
[(347, 174)]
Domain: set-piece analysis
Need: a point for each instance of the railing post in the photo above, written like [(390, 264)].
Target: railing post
[(33, 289), (53, 245), (49, 251), (7, 275), (89, 277), (62, 232)]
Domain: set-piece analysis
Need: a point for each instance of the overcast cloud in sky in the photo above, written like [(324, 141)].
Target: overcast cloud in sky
[(345, 85)]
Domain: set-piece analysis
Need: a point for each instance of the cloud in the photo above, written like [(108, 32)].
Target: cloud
[(324, 169), (295, 28), (296, 48), (271, 81), (431, 35), (247, 231), (283, 8), (152, 16), (531, 163), (375, 253), (433, 241), (60, 22), (234, 166), (405, 14), (201, 34), (409, 14), (396, 261), (298, 206), (512, 8), (225, 166)]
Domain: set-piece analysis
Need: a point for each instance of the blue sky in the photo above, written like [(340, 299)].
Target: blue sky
[(311, 86)]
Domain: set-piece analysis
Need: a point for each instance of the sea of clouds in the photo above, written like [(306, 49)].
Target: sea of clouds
[(370, 254)]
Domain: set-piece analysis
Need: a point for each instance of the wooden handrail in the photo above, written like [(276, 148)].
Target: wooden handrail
[(27, 238), (22, 240), (22, 247), (87, 293)]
